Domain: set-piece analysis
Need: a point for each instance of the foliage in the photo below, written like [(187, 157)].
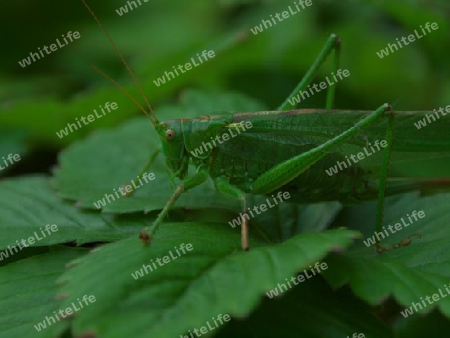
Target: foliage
[(96, 252)]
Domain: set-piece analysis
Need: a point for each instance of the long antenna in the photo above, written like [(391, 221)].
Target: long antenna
[(151, 115), (122, 89)]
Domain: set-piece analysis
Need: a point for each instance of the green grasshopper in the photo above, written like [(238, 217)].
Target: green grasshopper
[(291, 150)]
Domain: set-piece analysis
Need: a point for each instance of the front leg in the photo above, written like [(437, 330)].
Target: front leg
[(197, 179)]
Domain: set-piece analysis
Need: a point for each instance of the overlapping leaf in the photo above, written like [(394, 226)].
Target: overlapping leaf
[(27, 205), (185, 292), (28, 289), (409, 274), (310, 310)]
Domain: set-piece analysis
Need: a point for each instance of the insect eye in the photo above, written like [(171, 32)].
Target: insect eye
[(170, 134)]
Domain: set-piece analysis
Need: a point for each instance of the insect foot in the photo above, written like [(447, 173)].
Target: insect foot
[(404, 242), (145, 237)]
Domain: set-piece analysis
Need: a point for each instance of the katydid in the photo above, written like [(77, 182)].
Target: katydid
[(290, 150)]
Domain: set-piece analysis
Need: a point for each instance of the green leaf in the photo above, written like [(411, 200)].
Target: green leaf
[(27, 205), (214, 278), (311, 309), (407, 273), (285, 220), (432, 325), (27, 291), (11, 142)]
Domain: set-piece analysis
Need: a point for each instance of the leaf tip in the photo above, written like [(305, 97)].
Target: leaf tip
[(337, 248), (95, 250), (357, 235), (71, 264), (61, 282)]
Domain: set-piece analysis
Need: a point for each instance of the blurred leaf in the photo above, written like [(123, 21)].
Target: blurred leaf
[(433, 325), (12, 142), (309, 310)]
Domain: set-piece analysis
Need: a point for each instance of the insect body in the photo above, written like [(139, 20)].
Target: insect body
[(294, 150), (276, 138)]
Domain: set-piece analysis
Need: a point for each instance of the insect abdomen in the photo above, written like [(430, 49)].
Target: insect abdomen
[(314, 185)]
